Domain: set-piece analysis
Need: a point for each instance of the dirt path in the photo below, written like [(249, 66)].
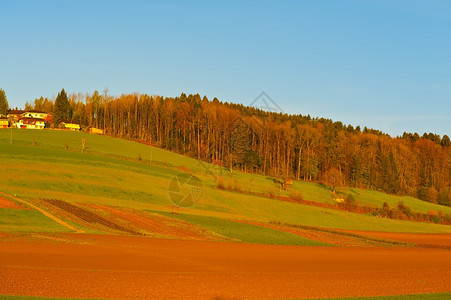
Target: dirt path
[(45, 213), (121, 267)]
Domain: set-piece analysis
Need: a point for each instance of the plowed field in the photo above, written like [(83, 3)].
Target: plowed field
[(132, 267)]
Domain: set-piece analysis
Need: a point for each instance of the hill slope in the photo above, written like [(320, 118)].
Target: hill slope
[(112, 190)]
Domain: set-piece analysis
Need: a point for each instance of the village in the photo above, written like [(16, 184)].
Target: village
[(33, 119)]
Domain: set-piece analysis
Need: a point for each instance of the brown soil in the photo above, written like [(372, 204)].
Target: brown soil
[(156, 225), (5, 203), (127, 267), (86, 216), (81, 216), (115, 220)]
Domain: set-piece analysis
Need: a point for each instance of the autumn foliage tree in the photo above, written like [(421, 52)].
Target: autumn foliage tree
[(334, 178), (275, 144)]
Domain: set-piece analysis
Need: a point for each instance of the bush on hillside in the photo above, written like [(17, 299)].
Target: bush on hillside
[(220, 183), (296, 196)]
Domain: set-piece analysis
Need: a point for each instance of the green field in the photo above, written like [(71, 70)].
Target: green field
[(246, 232), (39, 165)]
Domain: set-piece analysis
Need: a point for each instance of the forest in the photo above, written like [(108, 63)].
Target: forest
[(274, 144)]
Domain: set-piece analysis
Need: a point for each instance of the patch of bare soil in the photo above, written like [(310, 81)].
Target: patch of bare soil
[(128, 221), (133, 267), (156, 225), (84, 217), (6, 203)]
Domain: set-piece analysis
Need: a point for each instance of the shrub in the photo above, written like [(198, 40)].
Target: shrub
[(296, 196), (349, 203), (271, 193), (419, 217), (229, 186), (435, 219), (401, 206), (431, 195), (404, 210), (444, 197), (220, 184), (237, 186)]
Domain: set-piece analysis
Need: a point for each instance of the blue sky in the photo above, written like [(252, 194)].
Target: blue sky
[(381, 64)]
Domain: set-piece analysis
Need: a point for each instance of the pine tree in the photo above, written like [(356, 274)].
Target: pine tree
[(62, 107), (240, 144), (445, 141), (3, 103)]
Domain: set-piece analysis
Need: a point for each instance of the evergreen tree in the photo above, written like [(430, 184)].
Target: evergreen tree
[(62, 107), (445, 141), (3, 103), (251, 160), (240, 144)]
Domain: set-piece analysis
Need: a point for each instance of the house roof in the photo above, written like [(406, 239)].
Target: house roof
[(34, 111), (15, 112)]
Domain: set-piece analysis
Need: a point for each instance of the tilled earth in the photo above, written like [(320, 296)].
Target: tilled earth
[(136, 267)]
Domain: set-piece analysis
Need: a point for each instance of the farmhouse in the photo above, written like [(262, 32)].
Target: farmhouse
[(34, 114), (30, 123), (4, 122), (70, 125)]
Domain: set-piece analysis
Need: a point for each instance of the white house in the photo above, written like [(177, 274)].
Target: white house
[(34, 114)]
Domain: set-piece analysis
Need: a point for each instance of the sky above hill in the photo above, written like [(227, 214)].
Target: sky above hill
[(378, 63)]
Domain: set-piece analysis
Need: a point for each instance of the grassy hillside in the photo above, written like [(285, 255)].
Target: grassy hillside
[(375, 198), (37, 165)]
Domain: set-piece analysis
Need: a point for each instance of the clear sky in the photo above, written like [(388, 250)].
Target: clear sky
[(381, 64)]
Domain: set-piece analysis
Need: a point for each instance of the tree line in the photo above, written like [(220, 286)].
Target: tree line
[(274, 144)]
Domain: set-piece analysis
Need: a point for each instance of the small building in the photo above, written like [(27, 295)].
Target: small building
[(30, 123), (4, 122), (70, 125), (95, 130)]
